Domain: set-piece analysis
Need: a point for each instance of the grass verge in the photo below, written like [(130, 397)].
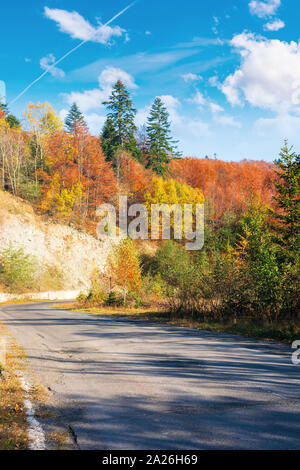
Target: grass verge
[(22, 301), (13, 420), (282, 332), (13, 424)]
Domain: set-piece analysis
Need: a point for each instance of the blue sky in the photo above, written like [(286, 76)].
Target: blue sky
[(228, 71)]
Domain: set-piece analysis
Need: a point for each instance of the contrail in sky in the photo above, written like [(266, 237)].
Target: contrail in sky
[(69, 53)]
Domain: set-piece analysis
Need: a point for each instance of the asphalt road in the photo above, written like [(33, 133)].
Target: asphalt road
[(134, 385)]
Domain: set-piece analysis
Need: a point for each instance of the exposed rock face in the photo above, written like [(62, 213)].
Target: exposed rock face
[(76, 254)]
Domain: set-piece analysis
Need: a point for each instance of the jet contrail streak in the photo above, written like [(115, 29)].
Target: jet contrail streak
[(69, 53)]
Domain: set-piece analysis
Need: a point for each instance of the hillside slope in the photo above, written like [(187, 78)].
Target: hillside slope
[(76, 254)]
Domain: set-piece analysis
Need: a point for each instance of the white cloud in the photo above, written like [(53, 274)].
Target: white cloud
[(269, 74), (72, 23), (63, 114), (111, 75), (46, 63), (214, 81), (95, 122), (191, 77), (199, 42), (230, 88), (178, 120), (275, 25), (198, 99), (216, 24), (142, 115), (215, 108), (148, 33), (217, 111), (170, 101), (183, 127), (194, 128), (172, 104), (93, 99), (225, 120), (284, 126), (87, 100), (265, 8), (219, 116)]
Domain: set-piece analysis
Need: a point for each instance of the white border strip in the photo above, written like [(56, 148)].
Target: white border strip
[(35, 431)]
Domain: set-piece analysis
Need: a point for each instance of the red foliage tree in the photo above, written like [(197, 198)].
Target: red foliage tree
[(228, 185), (135, 179)]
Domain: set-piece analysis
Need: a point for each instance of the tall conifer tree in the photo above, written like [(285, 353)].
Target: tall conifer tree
[(287, 225), (119, 129), (161, 144), (75, 121)]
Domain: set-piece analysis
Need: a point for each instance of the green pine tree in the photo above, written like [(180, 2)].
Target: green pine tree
[(258, 289), (109, 140), (13, 121), (119, 129), (287, 217), (10, 118), (75, 121), (161, 144)]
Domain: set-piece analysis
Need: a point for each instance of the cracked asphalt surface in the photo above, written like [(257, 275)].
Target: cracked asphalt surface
[(134, 385)]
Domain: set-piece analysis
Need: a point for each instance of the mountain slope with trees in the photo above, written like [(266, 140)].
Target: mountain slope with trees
[(249, 266)]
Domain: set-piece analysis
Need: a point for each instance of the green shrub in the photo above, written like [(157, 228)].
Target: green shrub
[(30, 190), (95, 296), (114, 300), (138, 302), (17, 270), (81, 298), (20, 273), (244, 281)]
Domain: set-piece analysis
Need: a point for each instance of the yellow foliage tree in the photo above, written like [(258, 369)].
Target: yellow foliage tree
[(42, 122), (14, 157), (172, 192), (124, 267), (42, 119), (62, 202)]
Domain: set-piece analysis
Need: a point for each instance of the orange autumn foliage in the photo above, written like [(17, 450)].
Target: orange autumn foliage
[(227, 185), (3, 113), (124, 266), (76, 166), (135, 178)]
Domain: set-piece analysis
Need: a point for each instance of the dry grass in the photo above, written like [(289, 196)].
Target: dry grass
[(22, 301), (15, 205), (282, 332), (13, 422), (59, 439), (13, 435), (126, 311)]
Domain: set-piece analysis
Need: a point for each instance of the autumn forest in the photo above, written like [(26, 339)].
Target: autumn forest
[(248, 270)]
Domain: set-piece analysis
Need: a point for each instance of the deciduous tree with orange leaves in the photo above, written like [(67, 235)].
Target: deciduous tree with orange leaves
[(77, 172), (227, 185), (134, 178)]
